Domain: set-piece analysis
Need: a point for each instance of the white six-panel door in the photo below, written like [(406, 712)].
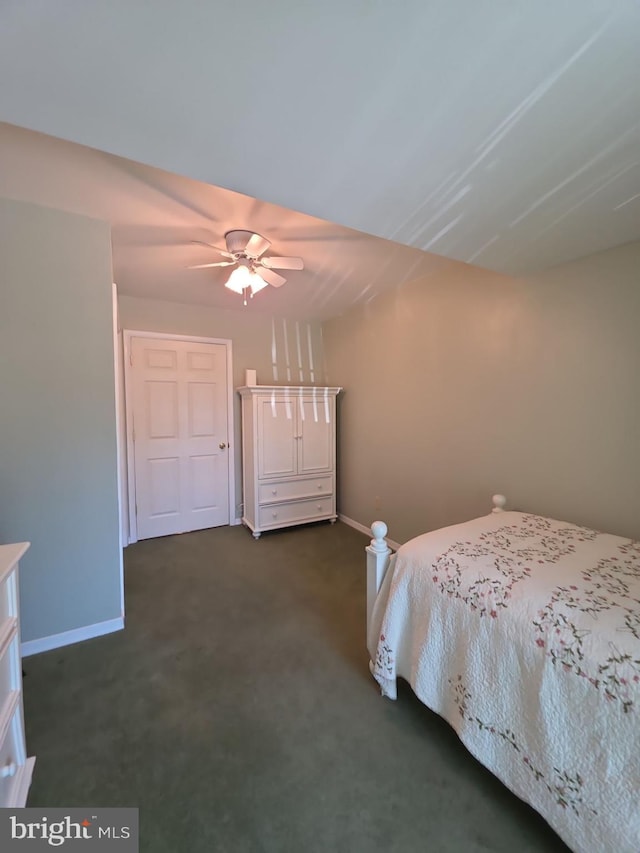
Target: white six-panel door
[(179, 404)]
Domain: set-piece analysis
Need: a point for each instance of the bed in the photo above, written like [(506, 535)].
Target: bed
[(523, 632)]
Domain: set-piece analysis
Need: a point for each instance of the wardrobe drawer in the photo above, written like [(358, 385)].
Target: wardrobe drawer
[(294, 489), (10, 758), (279, 514)]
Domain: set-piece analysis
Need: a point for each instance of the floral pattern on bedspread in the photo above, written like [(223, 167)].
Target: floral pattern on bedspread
[(511, 551), (566, 787), (524, 633), (608, 586), (384, 658)]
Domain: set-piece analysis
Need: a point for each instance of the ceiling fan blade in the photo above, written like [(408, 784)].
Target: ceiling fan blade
[(211, 246), (256, 246), (271, 277), (206, 266), (273, 263)]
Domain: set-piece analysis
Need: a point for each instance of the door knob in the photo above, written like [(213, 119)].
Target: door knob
[(222, 445)]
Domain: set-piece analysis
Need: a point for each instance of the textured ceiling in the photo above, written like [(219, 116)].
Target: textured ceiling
[(502, 133)]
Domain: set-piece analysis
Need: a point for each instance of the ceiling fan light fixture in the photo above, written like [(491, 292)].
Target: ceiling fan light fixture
[(239, 279), (253, 269), (257, 283)]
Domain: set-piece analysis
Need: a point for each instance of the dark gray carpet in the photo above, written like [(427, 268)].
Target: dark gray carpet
[(237, 712)]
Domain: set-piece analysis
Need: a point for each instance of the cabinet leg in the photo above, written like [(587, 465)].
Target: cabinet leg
[(256, 534), (333, 520)]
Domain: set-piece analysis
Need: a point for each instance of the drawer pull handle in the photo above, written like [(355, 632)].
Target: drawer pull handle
[(320, 507), (274, 514), (8, 770), (320, 487), (274, 491)]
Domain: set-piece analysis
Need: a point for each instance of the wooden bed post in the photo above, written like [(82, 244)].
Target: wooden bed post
[(378, 553)]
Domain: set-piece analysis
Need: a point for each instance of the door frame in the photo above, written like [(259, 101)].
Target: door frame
[(128, 334)]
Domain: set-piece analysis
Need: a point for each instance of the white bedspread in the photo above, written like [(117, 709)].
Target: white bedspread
[(524, 633)]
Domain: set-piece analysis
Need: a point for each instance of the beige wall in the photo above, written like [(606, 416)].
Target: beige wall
[(283, 352), (58, 486), (467, 383)]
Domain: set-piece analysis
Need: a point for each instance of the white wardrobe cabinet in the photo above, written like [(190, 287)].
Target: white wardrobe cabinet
[(288, 455), (15, 768)]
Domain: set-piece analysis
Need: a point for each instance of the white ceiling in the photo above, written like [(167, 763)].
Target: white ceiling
[(505, 133)]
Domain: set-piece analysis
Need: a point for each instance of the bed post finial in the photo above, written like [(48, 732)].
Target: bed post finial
[(498, 503), (379, 530)]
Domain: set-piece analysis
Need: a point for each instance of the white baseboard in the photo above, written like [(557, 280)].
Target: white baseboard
[(76, 635), (366, 530)]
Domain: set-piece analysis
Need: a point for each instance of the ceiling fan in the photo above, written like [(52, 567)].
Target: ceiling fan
[(253, 270)]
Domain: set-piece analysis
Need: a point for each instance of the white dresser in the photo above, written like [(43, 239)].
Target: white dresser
[(288, 455), (15, 768)]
